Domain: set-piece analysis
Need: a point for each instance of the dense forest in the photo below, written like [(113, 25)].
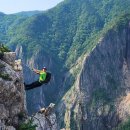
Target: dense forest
[(65, 31)]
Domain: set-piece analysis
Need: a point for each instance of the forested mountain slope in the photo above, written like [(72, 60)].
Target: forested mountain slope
[(65, 30)]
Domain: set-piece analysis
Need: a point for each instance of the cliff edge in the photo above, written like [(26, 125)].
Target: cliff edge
[(13, 113), (12, 94)]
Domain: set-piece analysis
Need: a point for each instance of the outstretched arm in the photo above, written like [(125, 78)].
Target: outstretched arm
[(36, 71)]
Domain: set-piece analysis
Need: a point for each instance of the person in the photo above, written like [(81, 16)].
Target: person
[(42, 79)]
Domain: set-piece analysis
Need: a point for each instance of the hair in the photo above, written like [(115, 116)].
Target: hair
[(44, 68)]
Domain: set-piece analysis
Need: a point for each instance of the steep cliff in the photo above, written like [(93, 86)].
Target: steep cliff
[(13, 113), (99, 99), (12, 100)]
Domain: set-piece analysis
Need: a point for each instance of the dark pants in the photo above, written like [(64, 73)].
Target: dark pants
[(33, 85)]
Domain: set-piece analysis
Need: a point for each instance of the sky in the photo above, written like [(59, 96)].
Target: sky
[(15, 6)]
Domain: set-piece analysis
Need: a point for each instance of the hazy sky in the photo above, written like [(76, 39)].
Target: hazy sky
[(14, 6)]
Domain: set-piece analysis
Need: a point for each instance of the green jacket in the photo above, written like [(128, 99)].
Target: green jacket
[(42, 76)]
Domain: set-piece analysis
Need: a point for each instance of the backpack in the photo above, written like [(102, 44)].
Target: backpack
[(48, 77)]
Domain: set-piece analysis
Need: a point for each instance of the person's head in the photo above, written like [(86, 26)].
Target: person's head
[(44, 69)]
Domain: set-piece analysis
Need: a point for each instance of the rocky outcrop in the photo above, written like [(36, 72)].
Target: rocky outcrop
[(9, 58), (99, 99), (13, 113), (45, 123), (12, 92), (46, 119)]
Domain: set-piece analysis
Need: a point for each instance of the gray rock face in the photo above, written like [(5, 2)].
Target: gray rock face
[(45, 122), (13, 100), (9, 58), (99, 99), (45, 119), (103, 80), (12, 92), (4, 127)]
